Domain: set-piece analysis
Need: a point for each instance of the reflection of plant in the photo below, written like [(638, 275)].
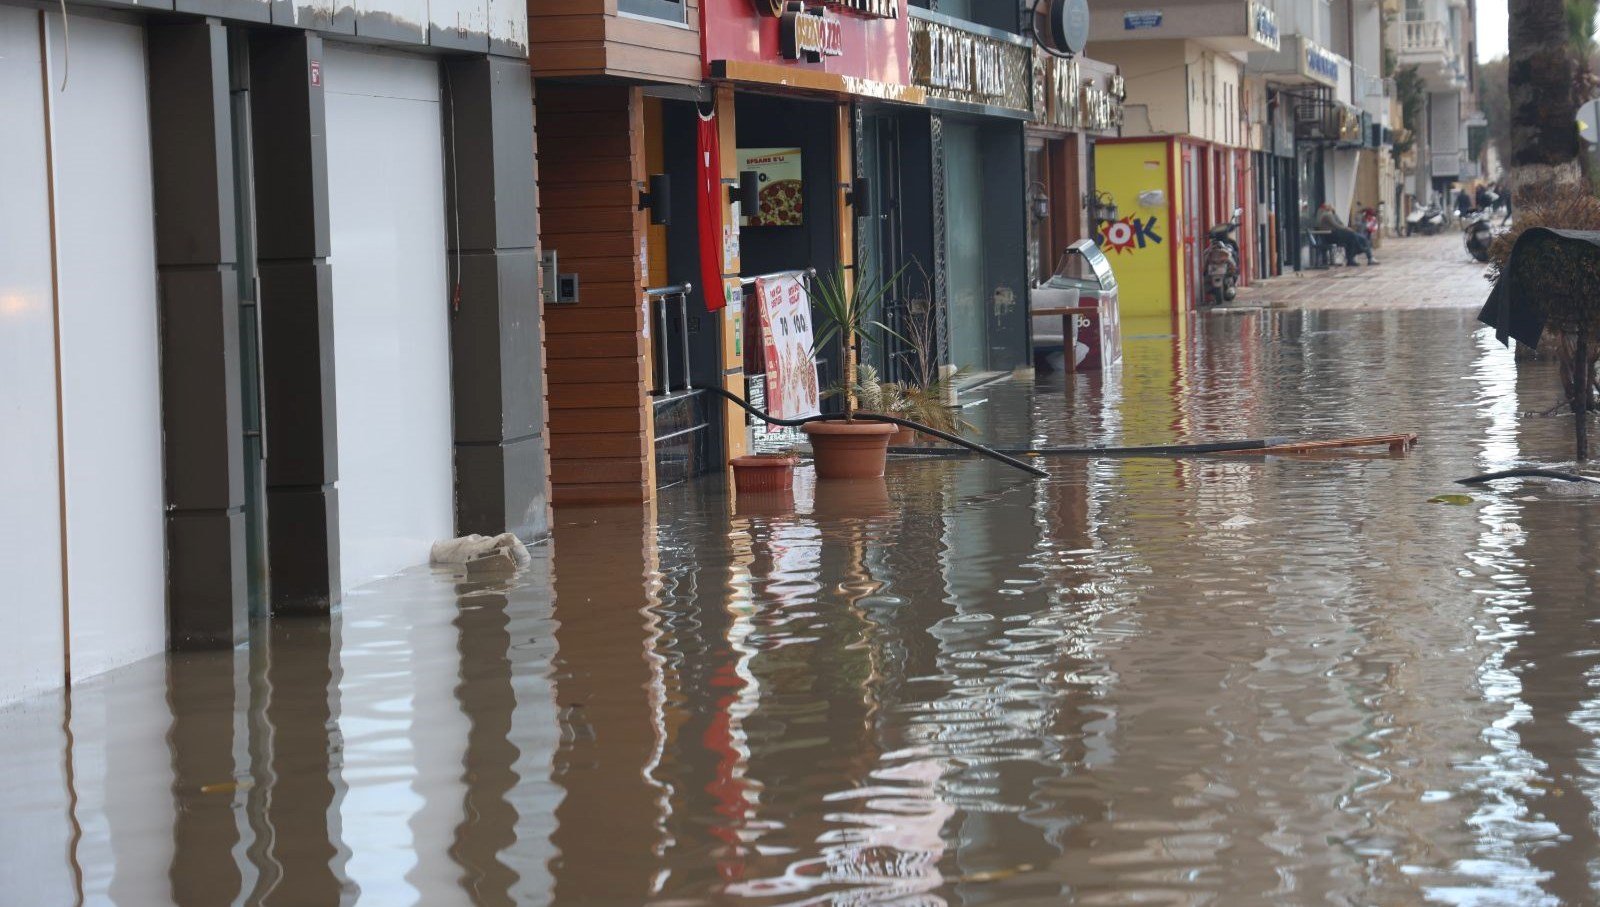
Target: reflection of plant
[(928, 404), (846, 307)]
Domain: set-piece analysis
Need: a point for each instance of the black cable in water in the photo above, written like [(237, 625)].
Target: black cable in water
[(874, 417), (1153, 450), (1525, 474)]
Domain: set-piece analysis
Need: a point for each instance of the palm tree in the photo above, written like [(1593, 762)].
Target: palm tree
[(1543, 76)]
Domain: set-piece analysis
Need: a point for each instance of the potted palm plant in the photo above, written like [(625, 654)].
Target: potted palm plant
[(847, 448), (928, 403)]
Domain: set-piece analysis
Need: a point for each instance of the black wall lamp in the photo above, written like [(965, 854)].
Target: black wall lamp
[(747, 192), (857, 193), (1101, 206), (658, 199), (1039, 200)]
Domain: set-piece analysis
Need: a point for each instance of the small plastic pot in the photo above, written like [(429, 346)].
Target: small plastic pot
[(758, 475)]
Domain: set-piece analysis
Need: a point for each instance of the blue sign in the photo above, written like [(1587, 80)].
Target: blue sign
[(1321, 63), (1266, 26), (1141, 18)]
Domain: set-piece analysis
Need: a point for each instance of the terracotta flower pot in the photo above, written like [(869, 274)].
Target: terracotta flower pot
[(756, 475), (904, 437), (849, 450)]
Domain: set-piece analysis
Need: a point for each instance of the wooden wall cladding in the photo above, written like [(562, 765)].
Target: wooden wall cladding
[(590, 38), (590, 162)]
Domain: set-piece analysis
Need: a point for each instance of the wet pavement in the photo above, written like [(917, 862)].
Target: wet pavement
[(1215, 680), (1412, 272)]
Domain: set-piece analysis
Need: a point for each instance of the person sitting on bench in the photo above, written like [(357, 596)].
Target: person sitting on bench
[(1354, 243)]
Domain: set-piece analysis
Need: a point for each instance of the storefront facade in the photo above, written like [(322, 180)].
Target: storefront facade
[(1076, 101), (229, 251), (979, 99), (1185, 161), (791, 101), (618, 101)]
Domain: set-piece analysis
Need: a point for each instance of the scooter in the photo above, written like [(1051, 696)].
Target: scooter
[(1428, 221), (1221, 260), (1478, 234), (1369, 223)]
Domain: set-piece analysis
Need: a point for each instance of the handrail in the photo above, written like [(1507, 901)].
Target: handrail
[(674, 290), (663, 357)]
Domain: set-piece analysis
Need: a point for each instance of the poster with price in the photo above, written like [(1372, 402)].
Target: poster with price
[(786, 336)]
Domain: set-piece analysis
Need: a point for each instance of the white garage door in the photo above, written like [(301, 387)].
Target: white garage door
[(390, 309), (109, 409)]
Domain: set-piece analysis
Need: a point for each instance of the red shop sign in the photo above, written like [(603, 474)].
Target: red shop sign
[(845, 39)]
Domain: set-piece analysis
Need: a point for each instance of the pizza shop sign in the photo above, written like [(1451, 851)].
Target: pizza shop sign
[(809, 35), (872, 9)]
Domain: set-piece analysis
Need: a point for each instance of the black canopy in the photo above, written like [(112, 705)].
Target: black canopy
[(1540, 280)]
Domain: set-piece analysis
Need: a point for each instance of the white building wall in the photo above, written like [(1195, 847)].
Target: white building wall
[(32, 646), (390, 311), (105, 236)]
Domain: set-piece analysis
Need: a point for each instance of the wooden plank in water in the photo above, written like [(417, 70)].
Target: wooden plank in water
[(1399, 443)]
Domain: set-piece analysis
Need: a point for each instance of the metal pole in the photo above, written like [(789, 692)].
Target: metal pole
[(683, 325), (1580, 400), (663, 357)]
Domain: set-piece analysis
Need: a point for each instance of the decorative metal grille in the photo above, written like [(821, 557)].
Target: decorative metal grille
[(941, 254)]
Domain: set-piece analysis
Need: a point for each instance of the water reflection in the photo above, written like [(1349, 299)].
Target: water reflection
[(1217, 680)]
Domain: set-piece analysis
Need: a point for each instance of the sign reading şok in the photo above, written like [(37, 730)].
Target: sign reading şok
[(786, 333)]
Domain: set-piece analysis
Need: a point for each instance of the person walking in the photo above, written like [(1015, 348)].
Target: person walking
[(1463, 202), (1505, 203), (1354, 243)]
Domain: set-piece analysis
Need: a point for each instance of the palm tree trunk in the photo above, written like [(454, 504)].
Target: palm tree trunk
[(1542, 77)]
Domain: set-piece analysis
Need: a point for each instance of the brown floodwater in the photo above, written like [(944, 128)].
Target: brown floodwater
[(1142, 681)]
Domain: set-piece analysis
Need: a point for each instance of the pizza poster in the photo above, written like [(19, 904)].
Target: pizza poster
[(786, 335), (778, 172)]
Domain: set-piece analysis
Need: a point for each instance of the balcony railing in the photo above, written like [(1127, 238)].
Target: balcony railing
[(1425, 37)]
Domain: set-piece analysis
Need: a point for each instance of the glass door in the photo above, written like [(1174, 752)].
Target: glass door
[(1194, 195), (964, 235)]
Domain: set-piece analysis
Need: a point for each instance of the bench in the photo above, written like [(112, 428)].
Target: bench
[(1323, 249)]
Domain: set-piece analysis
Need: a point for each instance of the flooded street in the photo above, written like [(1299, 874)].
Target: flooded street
[(1225, 680)]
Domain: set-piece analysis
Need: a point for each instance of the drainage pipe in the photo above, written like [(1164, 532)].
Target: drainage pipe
[(873, 417)]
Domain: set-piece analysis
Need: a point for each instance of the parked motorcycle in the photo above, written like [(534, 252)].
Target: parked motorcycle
[(1369, 224), (1478, 234), (1428, 220), (1221, 260)]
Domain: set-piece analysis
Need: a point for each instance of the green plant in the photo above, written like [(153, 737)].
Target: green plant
[(925, 403), (846, 307)]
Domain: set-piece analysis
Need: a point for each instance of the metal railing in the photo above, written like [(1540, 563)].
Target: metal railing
[(660, 300)]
